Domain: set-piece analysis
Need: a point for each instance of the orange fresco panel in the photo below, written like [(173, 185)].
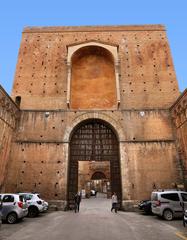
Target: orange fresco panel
[(93, 82)]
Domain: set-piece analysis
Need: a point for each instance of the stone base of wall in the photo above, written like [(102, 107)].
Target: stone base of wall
[(130, 205), (57, 205)]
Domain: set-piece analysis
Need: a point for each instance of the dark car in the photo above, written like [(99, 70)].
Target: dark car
[(1, 205), (145, 206)]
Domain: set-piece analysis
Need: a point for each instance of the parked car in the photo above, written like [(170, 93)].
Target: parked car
[(46, 205), (35, 204), (1, 205), (169, 203), (13, 207), (93, 192), (145, 206), (185, 218)]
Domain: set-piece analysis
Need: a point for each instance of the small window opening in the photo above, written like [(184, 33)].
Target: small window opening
[(18, 100)]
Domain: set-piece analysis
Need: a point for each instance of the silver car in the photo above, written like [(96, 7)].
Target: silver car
[(13, 207), (35, 204), (169, 203)]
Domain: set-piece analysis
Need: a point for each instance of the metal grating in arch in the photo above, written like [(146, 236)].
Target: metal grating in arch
[(94, 140)]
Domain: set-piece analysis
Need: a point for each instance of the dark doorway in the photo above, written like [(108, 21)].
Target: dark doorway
[(94, 140)]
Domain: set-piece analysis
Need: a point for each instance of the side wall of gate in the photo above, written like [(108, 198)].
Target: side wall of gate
[(39, 161)]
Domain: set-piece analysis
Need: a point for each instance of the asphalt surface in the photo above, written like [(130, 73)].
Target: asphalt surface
[(95, 221)]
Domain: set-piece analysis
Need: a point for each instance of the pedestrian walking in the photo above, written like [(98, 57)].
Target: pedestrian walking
[(114, 202), (77, 200), (96, 193)]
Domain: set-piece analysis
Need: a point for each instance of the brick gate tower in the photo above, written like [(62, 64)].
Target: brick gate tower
[(94, 94)]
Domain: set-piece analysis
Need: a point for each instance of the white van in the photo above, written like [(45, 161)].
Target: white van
[(169, 203)]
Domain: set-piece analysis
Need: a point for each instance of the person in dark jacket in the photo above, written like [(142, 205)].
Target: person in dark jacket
[(77, 200)]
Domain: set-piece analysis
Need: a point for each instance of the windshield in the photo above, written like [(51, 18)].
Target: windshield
[(154, 197)]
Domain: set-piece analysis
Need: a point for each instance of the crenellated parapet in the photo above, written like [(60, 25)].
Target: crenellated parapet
[(179, 110), (179, 116), (9, 115), (9, 111)]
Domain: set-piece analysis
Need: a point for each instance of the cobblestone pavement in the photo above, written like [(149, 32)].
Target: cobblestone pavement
[(95, 221)]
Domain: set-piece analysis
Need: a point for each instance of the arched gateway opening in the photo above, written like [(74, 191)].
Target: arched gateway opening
[(93, 146)]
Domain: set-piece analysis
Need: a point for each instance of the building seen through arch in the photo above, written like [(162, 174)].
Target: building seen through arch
[(93, 108), (94, 147)]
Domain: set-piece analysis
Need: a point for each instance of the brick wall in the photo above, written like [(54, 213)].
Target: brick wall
[(9, 113), (179, 115)]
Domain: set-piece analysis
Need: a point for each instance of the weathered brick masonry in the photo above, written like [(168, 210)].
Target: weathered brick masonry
[(121, 75), (179, 116), (9, 114)]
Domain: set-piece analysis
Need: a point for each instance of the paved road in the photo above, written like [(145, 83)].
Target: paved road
[(93, 222)]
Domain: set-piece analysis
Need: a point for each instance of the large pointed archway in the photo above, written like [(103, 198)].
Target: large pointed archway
[(94, 140)]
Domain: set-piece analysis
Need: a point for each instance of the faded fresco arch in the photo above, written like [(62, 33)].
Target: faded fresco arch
[(111, 49)]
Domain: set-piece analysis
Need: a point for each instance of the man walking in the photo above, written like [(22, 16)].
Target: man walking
[(77, 200), (114, 202)]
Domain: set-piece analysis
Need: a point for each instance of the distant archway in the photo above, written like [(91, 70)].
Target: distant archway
[(98, 175)]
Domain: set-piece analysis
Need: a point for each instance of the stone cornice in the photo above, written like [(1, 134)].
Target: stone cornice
[(122, 141), (156, 27)]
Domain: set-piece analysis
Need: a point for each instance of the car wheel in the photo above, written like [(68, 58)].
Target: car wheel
[(168, 215), (33, 212), (11, 218)]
